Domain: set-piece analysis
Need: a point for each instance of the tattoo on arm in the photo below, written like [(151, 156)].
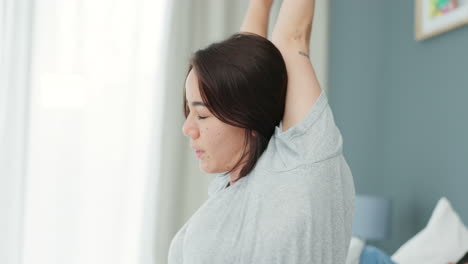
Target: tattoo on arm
[(304, 54)]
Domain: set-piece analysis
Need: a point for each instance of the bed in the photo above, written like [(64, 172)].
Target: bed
[(444, 240)]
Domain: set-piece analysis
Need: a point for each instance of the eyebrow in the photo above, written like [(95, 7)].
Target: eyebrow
[(197, 103)]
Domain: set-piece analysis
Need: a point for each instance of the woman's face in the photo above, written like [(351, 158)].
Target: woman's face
[(221, 143)]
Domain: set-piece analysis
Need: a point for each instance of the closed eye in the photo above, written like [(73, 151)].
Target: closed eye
[(198, 117)]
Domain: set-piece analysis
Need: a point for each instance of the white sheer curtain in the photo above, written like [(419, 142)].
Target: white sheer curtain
[(15, 46), (95, 98), (80, 131)]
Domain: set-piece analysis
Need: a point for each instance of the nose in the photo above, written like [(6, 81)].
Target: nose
[(190, 129)]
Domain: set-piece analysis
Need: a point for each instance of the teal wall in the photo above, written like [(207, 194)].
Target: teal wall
[(402, 108)]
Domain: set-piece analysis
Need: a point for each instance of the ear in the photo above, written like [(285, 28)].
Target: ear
[(254, 133)]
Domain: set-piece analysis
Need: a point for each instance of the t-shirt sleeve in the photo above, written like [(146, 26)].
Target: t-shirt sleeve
[(316, 137)]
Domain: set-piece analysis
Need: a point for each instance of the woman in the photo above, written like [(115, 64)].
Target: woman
[(255, 110)]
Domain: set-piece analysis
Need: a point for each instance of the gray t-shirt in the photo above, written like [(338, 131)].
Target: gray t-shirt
[(296, 206)]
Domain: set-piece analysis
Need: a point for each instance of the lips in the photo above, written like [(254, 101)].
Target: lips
[(197, 149), (199, 153)]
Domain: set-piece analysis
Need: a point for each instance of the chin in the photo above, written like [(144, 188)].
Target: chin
[(211, 170), (206, 170)]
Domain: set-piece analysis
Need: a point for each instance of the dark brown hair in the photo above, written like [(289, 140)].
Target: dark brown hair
[(243, 82)]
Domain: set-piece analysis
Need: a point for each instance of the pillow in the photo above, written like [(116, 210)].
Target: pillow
[(356, 246), (443, 240)]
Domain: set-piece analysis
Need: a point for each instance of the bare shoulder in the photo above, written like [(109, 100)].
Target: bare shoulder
[(303, 88)]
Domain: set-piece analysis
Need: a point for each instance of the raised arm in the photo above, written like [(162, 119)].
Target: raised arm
[(257, 16), (291, 36), (295, 21)]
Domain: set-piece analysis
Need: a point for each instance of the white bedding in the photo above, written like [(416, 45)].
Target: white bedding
[(443, 240)]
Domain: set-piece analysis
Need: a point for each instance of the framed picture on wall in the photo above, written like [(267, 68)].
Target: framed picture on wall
[(433, 17)]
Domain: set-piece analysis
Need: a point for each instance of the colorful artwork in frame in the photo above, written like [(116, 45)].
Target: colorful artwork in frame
[(433, 17)]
